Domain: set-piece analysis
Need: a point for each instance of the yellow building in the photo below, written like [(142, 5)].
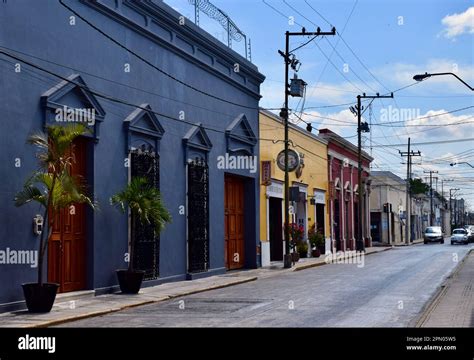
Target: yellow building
[(311, 178)]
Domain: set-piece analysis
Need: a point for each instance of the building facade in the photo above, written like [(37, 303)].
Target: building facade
[(388, 208), (310, 179), (184, 141), (343, 192)]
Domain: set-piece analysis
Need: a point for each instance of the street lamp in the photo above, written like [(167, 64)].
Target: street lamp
[(421, 77), (462, 162)]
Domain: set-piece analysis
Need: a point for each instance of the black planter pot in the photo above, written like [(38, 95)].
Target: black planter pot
[(130, 281), (316, 253), (40, 298)]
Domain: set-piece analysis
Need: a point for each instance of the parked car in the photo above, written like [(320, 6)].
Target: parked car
[(460, 236), (470, 232), (433, 234)]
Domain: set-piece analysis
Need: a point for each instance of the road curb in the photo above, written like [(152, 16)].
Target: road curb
[(128, 306), (434, 300)]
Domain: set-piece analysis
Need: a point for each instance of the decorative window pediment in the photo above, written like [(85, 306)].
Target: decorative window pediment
[(347, 186), (196, 143), (144, 131), (71, 101), (240, 136)]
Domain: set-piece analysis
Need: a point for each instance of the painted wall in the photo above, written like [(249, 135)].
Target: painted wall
[(386, 190), (45, 30), (315, 172)]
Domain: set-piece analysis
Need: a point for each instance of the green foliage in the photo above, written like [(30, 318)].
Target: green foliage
[(144, 202), (303, 247), (315, 238), (51, 185), (417, 186)]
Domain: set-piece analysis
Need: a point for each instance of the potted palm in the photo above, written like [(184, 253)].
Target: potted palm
[(145, 205), (53, 188)]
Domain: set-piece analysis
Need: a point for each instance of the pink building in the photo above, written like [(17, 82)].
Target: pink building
[(343, 192)]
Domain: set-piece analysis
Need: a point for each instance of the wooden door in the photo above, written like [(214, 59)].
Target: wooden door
[(234, 223), (67, 244)]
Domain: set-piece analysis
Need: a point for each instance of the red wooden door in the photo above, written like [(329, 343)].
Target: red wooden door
[(234, 223), (67, 244)]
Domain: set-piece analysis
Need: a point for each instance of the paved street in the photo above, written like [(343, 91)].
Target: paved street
[(389, 291)]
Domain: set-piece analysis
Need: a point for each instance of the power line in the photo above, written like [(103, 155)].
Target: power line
[(321, 16), (149, 63), (429, 142), (337, 42), (111, 98), (122, 84), (329, 42), (389, 123), (279, 12)]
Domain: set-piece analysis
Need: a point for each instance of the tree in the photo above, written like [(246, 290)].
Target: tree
[(144, 202), (417, 186), (51, 185)]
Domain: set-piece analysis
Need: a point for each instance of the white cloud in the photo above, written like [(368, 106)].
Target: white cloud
[(402, 74), (458, 24), (422, 129)]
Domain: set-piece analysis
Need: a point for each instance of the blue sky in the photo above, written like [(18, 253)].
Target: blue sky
[(393, 40)]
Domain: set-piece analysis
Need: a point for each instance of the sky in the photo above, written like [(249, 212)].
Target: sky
[(380, 45)]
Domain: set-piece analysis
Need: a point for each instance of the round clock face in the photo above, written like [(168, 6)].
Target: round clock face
[(293, 160)]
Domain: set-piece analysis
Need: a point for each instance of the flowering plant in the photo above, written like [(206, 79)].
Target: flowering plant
[(296, 234), (315, 237)]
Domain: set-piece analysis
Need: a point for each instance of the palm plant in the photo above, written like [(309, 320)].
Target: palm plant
[(51, 185), (144, 202)]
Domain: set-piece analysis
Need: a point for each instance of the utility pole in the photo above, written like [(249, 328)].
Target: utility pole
[(442, 185), (285, 115), (431, 172), (451, 207), (409, 155), (443, 199), (362, 127)]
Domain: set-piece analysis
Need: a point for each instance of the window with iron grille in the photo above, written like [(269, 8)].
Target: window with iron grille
[(147, 243), (198, 216)]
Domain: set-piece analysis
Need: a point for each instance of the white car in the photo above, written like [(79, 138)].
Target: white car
[(433, 234), (460, 236)]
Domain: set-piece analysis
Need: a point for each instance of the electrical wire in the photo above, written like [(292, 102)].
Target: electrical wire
[(141, 58)]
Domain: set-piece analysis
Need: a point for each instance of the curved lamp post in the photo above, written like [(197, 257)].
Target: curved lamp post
[(421, 77), (462, 162)]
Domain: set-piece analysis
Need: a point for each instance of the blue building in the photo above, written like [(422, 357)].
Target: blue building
[(185, 115)]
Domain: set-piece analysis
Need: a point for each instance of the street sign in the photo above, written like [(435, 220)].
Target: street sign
[(294, 160)]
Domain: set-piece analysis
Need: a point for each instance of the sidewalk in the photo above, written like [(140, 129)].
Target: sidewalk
[(453, 306), (67, 308), (414, 242)]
